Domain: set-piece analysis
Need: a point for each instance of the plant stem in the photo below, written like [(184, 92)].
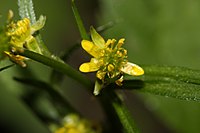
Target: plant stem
[(79, 22), (59, 66), (124, 115), (119, 115)]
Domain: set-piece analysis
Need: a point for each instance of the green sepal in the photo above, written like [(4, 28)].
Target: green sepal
[(39, 24), (33, 45), (97, 87), (96, 38)]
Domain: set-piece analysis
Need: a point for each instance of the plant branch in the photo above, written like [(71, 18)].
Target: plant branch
[(59, 66)]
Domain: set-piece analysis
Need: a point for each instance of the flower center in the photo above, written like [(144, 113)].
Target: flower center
[(19, 32), (112, 58)]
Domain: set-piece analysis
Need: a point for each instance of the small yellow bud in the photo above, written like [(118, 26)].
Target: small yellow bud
[(100, 75), (110, 67), (10, 15), (119, 81), (120, 42)]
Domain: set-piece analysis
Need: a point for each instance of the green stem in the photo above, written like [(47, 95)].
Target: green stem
[(124, 116), (118, 112), (79, 22), (59, 66)]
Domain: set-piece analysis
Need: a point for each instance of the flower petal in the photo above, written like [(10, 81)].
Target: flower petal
[(96, 38), (89, 66), (132, 69), (90, 48)]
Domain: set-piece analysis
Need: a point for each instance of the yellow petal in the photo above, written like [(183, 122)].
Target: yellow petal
[(132, 69), (90, 48), (89, 66)]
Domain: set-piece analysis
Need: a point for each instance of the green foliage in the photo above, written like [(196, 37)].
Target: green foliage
[(175, 82), (160, 32)]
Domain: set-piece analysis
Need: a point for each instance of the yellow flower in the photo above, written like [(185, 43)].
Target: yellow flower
[(109, 59), (20, 35), (74, 124)]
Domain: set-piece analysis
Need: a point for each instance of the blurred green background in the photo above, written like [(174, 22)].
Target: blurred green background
[(156, 32)]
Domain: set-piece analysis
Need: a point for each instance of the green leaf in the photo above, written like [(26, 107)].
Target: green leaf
[(176, 73), (6, 67), (177, 82), (79, 22)]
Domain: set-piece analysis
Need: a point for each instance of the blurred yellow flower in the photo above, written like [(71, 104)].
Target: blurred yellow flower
[(74, 124), (109, 59), (20, 35)]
